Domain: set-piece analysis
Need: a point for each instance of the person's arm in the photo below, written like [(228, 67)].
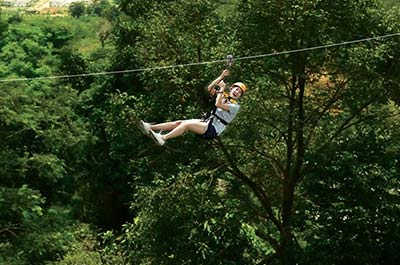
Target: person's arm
[(219, 102), (211, 86)]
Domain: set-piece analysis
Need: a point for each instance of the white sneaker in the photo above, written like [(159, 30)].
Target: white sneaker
[(157, 137), (145, 127)]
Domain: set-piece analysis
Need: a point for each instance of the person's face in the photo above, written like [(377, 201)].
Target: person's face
[(236, 92)]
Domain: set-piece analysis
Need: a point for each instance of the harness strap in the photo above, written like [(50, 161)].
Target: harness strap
[(224, 122), (213, 112), (229, 98)]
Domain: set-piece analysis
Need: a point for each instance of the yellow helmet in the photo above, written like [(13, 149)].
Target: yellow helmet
[(241, 86)]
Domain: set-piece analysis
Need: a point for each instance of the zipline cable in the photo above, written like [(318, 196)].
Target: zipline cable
[(202, 63)]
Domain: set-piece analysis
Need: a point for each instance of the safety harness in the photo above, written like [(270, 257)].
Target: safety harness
[(213, 113)]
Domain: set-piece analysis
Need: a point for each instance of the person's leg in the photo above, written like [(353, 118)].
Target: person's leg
[(166, 126), (196, 126)]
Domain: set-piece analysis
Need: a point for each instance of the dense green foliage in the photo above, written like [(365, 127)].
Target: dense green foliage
[(307, 174)]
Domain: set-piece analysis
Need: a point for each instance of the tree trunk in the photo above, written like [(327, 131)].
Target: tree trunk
[(287, 251), (294, 162)]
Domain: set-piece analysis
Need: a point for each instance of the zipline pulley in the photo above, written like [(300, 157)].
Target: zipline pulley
[(229, 61)]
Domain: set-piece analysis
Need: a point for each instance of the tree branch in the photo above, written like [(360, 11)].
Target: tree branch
[(268, 259), (258, 191), (273, 161), (274, 243), (347, 123), (320, 114)]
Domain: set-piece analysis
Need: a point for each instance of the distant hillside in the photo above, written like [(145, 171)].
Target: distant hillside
[(34, 3)]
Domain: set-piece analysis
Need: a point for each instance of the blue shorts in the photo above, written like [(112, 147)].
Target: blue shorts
[(210, 133)]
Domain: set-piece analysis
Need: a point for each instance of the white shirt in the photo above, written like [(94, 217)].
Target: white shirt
[(227, 116)]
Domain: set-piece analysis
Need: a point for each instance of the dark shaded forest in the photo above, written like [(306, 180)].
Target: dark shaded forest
[(308, 173)]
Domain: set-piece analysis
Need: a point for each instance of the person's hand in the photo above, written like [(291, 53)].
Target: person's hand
[(222, 85), (224, 73)]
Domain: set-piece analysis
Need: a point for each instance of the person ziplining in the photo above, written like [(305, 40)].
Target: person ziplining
[(224, 111)]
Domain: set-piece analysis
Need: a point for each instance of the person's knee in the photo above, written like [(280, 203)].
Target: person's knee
[(177, 123)]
